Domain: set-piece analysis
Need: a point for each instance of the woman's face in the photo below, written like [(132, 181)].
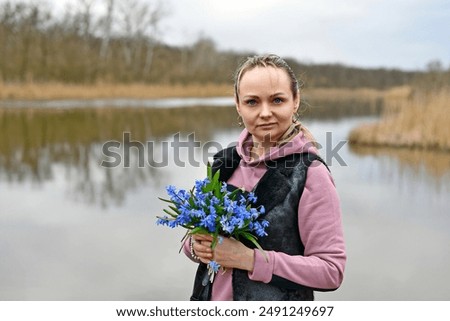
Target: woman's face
[(266, 103)]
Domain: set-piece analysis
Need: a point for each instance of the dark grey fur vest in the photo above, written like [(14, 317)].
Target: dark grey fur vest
[(279, 191)]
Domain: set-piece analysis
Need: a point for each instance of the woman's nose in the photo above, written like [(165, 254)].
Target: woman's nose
[(266, 111)]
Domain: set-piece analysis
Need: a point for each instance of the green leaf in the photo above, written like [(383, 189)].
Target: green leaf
[(187, 226), (216, 176), (165, 218), (215, 238), (232, 195), (183, 239), (208, 187), (174, 215), (199, 230), (165, 200), (176, 210), (209, 171), (253, 239)]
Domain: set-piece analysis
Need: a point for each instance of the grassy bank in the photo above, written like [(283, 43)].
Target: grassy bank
[(412, 118), (49, 91)]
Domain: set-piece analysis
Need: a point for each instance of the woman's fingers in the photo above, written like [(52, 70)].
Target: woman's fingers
[(202, 246), (202, 237), (203, 249)]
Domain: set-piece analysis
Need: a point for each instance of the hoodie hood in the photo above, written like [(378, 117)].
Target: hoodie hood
[(299, 144)]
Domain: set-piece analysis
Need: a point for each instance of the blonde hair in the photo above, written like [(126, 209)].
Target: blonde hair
[(275, 61)]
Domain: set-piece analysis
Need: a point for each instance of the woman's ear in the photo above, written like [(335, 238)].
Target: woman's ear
[(297, 102), (236, 102)]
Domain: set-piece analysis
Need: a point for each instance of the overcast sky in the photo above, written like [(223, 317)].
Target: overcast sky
[(404, 34)]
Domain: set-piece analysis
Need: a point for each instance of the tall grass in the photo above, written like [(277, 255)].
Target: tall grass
[(49, 91), (59, 90), (412, 118)]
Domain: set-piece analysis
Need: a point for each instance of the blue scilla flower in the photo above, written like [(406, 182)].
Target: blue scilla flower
[(185, 208), (212, 209), (200, 213), (262, 210), (251, 197), (254, 213), (199, 184), (172, 192), (183, 195), (177, 197), (167, 222), (209, 221), (226, 224), (218, 211), (242, 200), (162, 220), (229, 205), (258, 229), (237, 222), (214, 201), (200, 200), (240, 211), (214, 266), (264, 223), (224, 188), (184, 218)]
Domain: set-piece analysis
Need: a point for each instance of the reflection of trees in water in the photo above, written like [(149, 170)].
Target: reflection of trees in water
[(92, 183), (432, 166), (326, 109), (32, 141)]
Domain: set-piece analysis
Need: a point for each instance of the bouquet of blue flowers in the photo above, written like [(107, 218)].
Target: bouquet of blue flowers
[(211, 208)]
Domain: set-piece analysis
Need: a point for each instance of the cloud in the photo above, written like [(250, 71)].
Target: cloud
[(405, 34), (372, 33)]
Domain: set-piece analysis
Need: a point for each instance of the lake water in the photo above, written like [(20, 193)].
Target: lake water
[(71, 229)]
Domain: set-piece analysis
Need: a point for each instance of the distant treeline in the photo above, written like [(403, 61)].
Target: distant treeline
[(121, 45)]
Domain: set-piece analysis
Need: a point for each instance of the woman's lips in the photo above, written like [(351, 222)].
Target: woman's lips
[(267, 125)]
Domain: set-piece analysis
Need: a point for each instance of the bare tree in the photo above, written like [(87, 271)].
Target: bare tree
[(155, 18), (107, 23), (139, 22), (86, 20)]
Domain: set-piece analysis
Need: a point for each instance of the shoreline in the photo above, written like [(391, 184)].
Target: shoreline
[(61, 91), (412, 121)]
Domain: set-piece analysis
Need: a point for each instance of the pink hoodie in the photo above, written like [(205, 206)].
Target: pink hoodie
[(319, 222)]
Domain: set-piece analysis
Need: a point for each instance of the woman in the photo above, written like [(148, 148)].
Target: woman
[(304, 248)]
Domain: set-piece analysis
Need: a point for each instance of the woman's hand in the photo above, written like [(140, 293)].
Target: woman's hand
[(229, 253), (201, 244)]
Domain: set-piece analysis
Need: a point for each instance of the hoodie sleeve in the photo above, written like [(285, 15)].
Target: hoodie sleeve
[(320, 226)]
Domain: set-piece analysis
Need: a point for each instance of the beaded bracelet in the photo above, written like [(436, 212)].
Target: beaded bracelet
[(191, 246)]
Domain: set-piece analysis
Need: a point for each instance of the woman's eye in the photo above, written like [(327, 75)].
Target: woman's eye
[(251, 102), (278, 100)]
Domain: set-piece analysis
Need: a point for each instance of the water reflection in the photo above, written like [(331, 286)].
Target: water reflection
[(326, 109), (432, 167), (414, 162), (60, 245), (34, 140)]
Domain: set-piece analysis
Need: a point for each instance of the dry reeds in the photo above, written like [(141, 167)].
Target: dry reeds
[(344, 94), (58, 90), (49, 91), (413, 119)]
